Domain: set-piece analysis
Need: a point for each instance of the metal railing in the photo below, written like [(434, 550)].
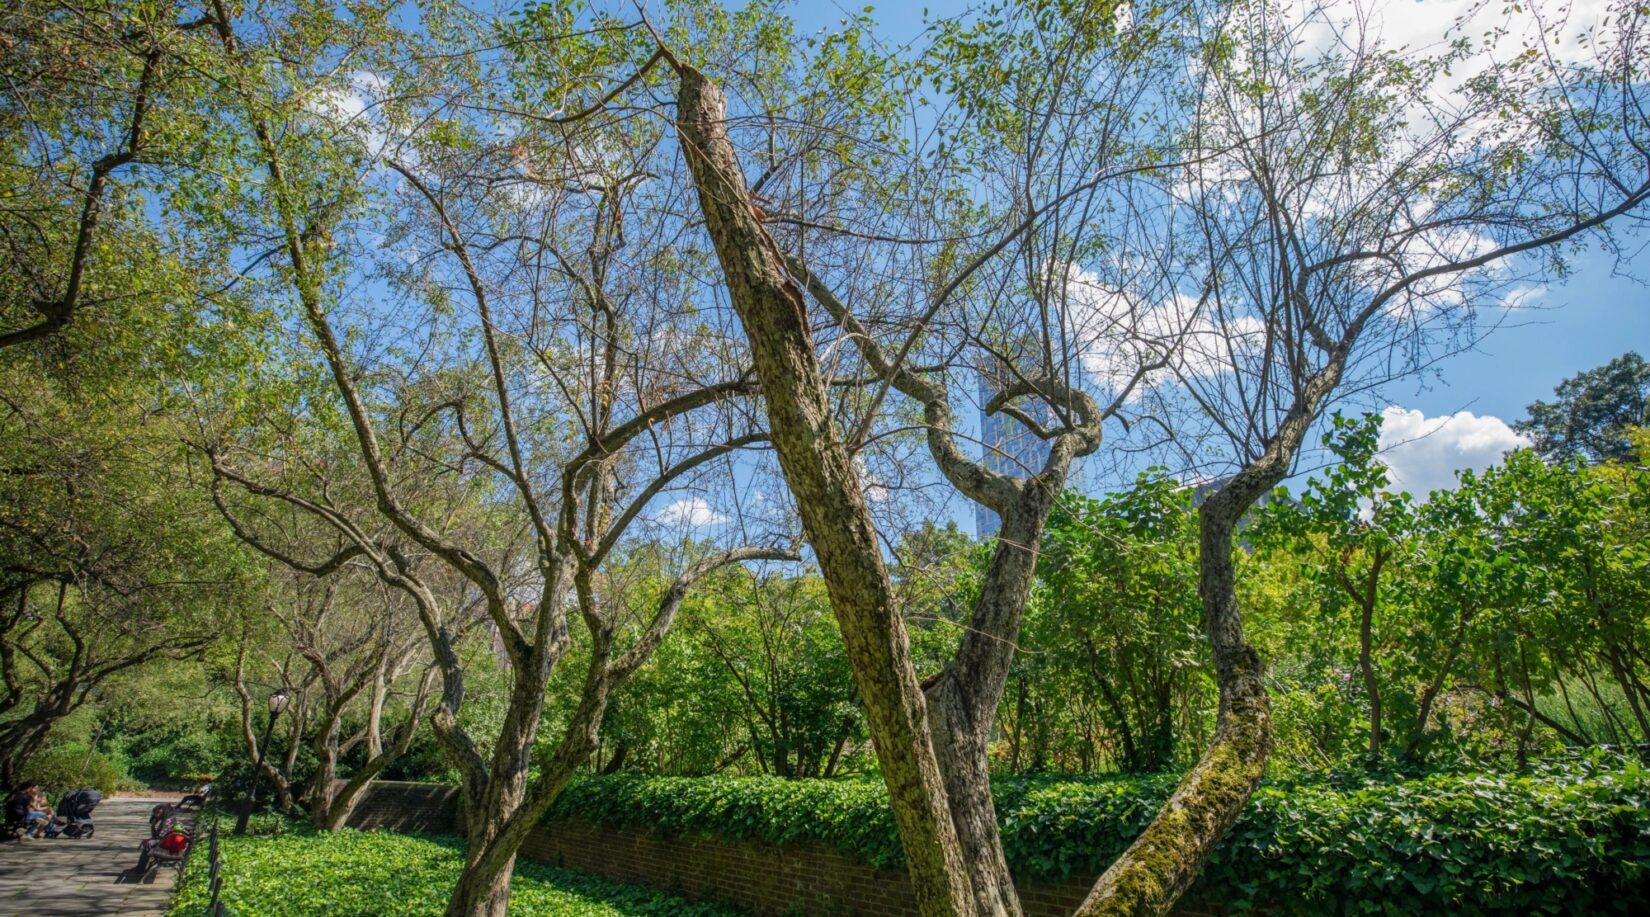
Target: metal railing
[(214, 881), (214, 869)]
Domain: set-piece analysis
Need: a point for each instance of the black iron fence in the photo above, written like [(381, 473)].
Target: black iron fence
[(214, 867), (214, 881)]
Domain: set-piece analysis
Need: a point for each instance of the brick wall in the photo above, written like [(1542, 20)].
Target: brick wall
[(413, 808), (795, 880)]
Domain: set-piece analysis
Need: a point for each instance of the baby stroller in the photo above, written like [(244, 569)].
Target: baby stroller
[(76, 810)]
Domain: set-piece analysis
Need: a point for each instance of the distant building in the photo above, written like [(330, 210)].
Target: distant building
[(1007, 447), (1201, 492)]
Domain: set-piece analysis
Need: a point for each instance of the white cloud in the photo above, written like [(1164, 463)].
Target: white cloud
[(1496, 31), (1119, 331), (871, 484), (351, 106), (1523, 296), (693, 511), (1423, 453)]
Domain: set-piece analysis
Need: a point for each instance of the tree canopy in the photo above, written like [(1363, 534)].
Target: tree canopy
[(1593, 413)]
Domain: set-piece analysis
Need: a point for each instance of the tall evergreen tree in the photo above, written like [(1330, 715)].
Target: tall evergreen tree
[(1591, 413)]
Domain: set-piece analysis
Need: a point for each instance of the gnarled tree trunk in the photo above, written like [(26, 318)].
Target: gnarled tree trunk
[(1162, 863), (964, 698), (819, 471)]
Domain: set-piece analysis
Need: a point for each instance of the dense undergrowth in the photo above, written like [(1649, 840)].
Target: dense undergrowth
[(300, 873), (1567, 839)]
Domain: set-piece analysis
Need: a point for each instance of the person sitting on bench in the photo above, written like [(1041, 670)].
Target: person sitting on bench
[(166, 848), (27, 806), (199, 797)]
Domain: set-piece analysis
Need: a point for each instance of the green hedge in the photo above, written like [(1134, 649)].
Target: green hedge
[(1573, 840)]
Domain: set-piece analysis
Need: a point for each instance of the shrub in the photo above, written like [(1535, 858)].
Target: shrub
[(1571, 840), (1570, 843), (72, 766), (183, 759), (367, 874)]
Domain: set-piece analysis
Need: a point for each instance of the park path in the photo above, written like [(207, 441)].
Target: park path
[(83, 877)]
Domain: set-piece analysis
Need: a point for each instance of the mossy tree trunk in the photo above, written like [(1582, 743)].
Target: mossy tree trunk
[(819, 471), (1162, 863)]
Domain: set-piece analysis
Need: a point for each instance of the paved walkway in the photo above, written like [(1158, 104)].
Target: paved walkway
[(86, 877)]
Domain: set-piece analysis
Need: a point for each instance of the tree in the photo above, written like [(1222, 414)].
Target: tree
[(1115, 623), (1592, 413), (775, 640), (1360, 533), (819, 471), (550, 305), (1568, 533), (344, 646), (107, 564), (1463, 580), (108, 561), (683, 714), (1415, 578), (79, 157), (570, 393), (1347, 208), (999, 312), (1359, 272)]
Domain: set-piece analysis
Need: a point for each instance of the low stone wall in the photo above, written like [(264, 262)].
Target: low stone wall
[(794, 880)]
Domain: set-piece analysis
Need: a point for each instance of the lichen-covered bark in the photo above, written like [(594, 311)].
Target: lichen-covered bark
[(962, 749), (1162, 863), (495, 835), (819, 471), (482, 893), (963, 701), (1164, 860), (483, 888)]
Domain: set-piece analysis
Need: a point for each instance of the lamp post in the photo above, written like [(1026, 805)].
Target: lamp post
[(277, 703)]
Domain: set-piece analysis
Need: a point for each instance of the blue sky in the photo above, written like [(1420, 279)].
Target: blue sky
[(1453, 418), (1599, 313), (1593, 317)]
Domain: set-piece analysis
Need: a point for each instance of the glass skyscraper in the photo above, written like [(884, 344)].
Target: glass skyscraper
[(1007, 447)]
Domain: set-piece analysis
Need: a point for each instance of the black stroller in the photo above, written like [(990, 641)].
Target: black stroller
[(76, 810)]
